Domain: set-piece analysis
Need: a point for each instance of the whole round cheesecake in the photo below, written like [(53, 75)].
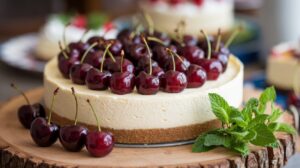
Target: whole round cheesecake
[(134, 118), (209, 15), (283, 65)]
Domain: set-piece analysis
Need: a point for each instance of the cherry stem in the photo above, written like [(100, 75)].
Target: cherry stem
[(150, 55), (218, 41), (233, 36), (173, 59), (21, 92), (64, 37), (208, 44), (122, 60), (104, 56), (175, 54), (87, 51), (150, 23), (52, 103), (95, 115), (83, 35), (155, 40), (111, 56), (62, 50), (76, 102)]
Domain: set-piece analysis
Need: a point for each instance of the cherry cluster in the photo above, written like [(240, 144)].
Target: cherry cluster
[(148, 60), (72, 137)]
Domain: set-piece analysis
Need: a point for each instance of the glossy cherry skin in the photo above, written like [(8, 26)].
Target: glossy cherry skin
[(156, 71), (73, 55), (97, 80), (213, 68), (137, 51), (192, 53), (79, 46), (181, 66), (164, 37), (293, 99), (173, 81), (147, 84), (144, 63), (99, 144), (42, 133), (223, 58), (116, 46), (113, 67), (97, 39), (78, 73), (27, 113), (94, 58), (73, 137), (189, 40), (161, 55), (122, 82), (196, 76)]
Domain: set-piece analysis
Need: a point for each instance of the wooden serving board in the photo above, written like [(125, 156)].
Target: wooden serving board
[(18, 150)]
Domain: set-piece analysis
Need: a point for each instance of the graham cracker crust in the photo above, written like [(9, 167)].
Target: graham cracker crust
[(149, 136)]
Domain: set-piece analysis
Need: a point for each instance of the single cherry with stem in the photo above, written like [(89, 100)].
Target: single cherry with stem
[(79, 46), (122, 82), (72, 137), (173, 81), (65, 62), (114, 65), (43, 132), (213, 67), (78, 72), (27, 113), (98, 143), (147, 83), (181, 63), (196, 76), (98, 79), (218, 54)]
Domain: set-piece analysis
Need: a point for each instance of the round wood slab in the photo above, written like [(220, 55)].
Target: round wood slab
[(18, 150)]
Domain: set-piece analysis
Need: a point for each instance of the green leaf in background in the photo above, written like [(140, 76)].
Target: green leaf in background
[(219, 107), (95, 20), (217, 140), (264, 136), (268, 95)]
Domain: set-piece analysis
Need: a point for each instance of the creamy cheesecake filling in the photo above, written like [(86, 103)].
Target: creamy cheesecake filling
[(211, 16), (136, 111)]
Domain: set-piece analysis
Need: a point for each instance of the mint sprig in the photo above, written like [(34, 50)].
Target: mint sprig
[(251, 125)]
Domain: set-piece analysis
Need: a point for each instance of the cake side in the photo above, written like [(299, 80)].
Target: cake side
[(133, 116)]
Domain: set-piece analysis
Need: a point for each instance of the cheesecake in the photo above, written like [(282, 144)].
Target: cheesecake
[(209, 15), (282, 66), (52, 32)]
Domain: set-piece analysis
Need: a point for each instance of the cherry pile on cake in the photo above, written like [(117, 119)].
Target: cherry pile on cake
[(145, 86)]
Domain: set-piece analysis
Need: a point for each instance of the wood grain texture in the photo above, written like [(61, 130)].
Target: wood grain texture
[(18, 150)]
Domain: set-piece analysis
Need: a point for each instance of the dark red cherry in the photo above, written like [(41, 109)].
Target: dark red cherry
[(116, 46), (78, 73), (73, 55), (199, 2), (72, 137), (293, 99), (173, 81), (42, 133), (192, 53), (164, 37), (144, 63), (94, 58), (156, 71), (78, 47), (99, 144), (196, 76), (97, 80), (65, 65), (189, 40), (112, 66), (181, 64), (147, 84), (122, 82), (138, 51), (161, 55), (97, 39), (223, 58), (213, 68), (27, 113)]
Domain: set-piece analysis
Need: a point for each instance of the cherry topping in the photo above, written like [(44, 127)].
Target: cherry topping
[(72, 137), (116, 46), (43, 132), (122, 82), (138, 51), (27, 113), (99, 143), (192, 53), (65, 62), (181, 63), (161, 55), (94, 58), (196, 76), (115, 66), (78, 73), (173, 81)]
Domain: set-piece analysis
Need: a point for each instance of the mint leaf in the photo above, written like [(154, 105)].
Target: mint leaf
[(217, 140), (239, 135), (264, 136), (242, 148), (259, 119), (198, 146), (95, 20), (268, 95), (281, 127), (219, 107), (250, 106), (250, 136), (276, 113)]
